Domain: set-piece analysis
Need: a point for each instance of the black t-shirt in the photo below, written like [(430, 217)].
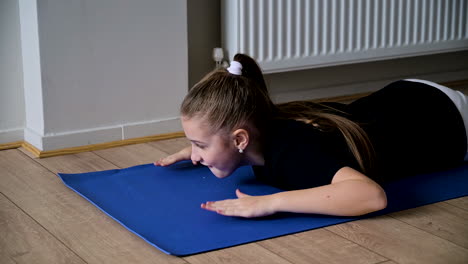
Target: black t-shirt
[(298, 155), (414, 128)]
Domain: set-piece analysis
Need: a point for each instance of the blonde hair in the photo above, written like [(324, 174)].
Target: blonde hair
[(227, 101)]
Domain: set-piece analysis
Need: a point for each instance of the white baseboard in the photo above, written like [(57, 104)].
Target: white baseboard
[(11, 135), (78, 138), (34, 138), (148, 128)]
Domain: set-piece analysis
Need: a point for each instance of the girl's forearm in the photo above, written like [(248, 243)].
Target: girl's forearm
[(345, 198)]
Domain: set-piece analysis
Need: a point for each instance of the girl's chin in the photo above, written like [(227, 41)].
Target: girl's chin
[(219, 174)]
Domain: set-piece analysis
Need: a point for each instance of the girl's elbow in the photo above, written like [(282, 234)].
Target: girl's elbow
[(379, 202), (373, 202), (373, 205), (376, 201)]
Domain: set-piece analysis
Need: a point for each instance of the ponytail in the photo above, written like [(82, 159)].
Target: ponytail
[(251, 70), (326, 118)]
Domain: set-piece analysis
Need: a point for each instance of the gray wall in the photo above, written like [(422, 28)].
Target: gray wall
[(91, 71), (204, 34), (108, 63), (11, 75)]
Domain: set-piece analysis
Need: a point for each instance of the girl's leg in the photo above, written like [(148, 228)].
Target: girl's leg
[(459, 99)]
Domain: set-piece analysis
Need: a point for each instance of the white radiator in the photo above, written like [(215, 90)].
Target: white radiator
[(284, 35)]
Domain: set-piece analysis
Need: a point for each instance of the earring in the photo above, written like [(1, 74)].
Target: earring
[(241, 150)]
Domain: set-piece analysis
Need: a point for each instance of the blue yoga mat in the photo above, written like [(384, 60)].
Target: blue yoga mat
[(162, 204)]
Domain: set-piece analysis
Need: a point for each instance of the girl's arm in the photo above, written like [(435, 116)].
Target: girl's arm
[(350, 193)]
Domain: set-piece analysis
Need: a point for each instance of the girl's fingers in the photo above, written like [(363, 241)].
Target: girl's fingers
[(216, 207), (241, 194), (163, 162), (159, 162), (211, 206), (184, 154), (244, 206), (168, 160), (226, 207)]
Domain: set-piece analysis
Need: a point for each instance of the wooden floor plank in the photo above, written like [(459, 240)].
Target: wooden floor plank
[(423, 236), (249, 253), (441, 219), (83, 228), (400, 242), (5, 258), (22, 240), (27, 153), (131, 155), (76, 163), (461, 202), (320, 246), (171, 146)]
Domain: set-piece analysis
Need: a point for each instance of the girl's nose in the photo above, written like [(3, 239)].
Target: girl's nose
[(195, 157)]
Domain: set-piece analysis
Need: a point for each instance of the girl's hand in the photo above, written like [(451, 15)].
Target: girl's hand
[(245, 206), (183, 154)]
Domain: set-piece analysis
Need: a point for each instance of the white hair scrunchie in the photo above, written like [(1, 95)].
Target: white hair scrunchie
[(235, 68)]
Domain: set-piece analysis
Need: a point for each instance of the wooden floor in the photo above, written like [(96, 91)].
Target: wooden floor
[(42, 221)]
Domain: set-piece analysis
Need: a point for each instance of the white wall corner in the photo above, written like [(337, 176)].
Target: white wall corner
[(32, 79), (33, 138)]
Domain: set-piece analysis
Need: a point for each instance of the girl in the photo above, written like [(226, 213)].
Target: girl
[(329, 158)]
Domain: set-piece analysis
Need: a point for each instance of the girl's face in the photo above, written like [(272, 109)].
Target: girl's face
[(214, 150)]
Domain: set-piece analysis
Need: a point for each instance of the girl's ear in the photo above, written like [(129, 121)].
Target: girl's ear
[(241, 138)]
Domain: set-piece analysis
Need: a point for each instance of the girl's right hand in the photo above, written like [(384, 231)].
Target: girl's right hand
[(183, 154)]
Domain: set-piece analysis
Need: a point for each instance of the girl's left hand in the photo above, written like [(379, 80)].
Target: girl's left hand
[(244, 206)]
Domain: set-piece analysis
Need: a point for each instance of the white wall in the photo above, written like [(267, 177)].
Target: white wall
[(11, 76), (103, 71)]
